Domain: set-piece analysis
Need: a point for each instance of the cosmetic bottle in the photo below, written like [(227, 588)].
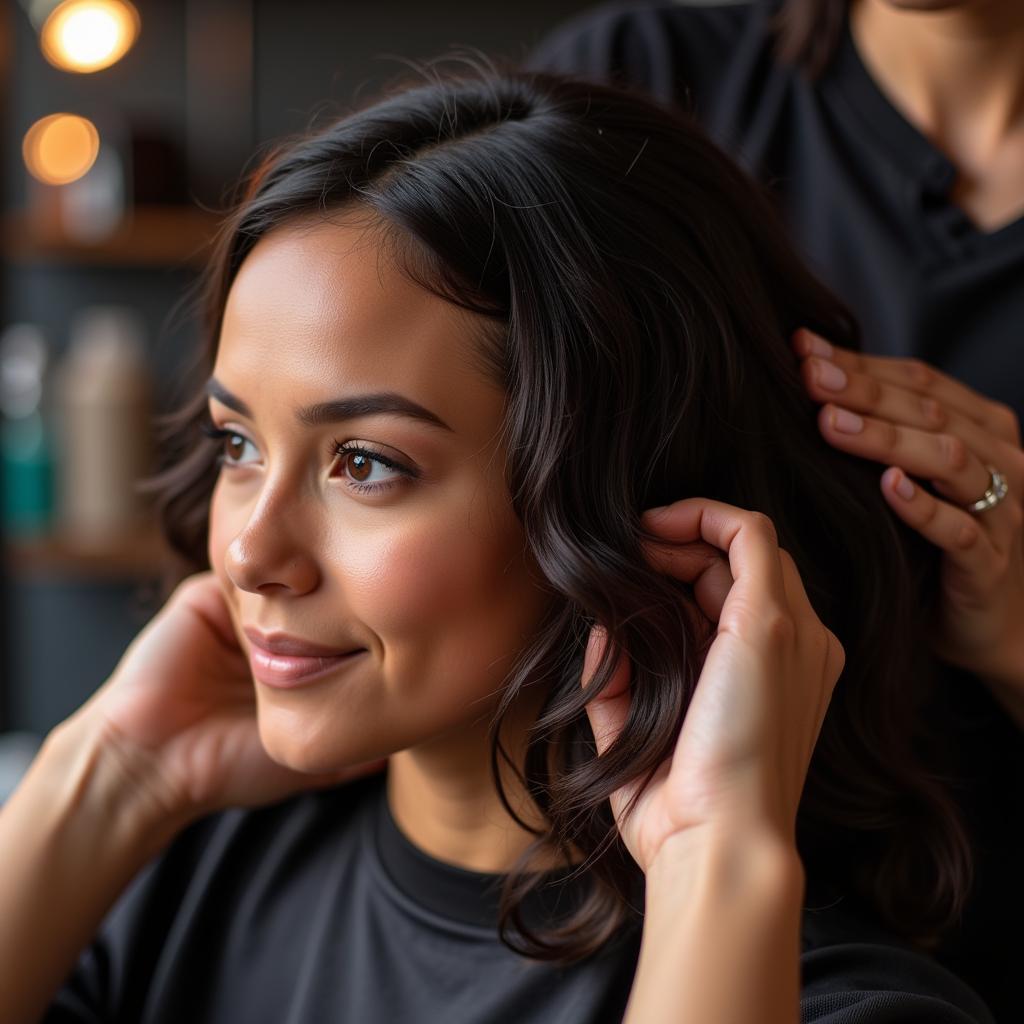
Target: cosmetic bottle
[(26, 463), (103, 409)]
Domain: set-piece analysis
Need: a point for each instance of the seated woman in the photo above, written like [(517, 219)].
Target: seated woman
[(461, 343)]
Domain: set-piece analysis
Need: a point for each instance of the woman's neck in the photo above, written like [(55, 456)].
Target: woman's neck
[(948, 67), (958, 76), (443, 798)]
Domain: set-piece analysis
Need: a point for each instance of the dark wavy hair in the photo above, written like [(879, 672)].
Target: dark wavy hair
[(640, 294)]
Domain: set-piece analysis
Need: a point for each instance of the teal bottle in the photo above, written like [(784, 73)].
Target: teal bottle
[(26, 461), (26, 452)]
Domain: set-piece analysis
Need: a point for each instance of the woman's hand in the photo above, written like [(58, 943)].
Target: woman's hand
[(742, 756), (179, 713), (921, 423)]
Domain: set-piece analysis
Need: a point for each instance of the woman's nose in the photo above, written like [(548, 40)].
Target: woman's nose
[(267, 555)]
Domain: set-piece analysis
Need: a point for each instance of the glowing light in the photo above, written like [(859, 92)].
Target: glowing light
[(89, 35), (60, 148)]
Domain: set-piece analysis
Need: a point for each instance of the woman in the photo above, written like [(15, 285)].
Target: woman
[(459, 342), (891, 133)]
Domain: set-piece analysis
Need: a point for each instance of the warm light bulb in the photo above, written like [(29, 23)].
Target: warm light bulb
[(89, 35), (60, 148)]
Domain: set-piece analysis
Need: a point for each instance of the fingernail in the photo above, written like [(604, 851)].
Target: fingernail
[(818, 345), (903, 487), (830, 376), (847, 422)]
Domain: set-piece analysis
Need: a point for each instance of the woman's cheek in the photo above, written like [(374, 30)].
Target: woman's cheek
[(406, 577)]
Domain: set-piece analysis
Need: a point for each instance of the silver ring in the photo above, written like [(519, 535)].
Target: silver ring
[(997, 490)]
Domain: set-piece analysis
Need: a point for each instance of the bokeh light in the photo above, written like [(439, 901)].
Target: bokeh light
[(89, 35), (60, 148)]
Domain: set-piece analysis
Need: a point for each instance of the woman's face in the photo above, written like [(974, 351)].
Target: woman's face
[(403, 547)]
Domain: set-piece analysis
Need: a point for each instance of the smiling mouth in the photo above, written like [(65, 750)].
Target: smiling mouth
[(288, 670)]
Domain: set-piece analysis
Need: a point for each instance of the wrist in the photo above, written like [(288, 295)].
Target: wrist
[(1004, 678), (73, 834), (721, 937), (721, 875), (94, 776), (723, 860), (1000, 665)]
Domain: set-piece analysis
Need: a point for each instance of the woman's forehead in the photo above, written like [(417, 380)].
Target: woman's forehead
[(320, 305), (329, 283)]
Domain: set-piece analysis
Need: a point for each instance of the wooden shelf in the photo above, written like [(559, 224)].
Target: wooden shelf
[(142, 556), (149, 236)]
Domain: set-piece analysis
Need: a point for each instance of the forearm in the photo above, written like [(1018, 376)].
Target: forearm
[(72, 836), (721, 939)]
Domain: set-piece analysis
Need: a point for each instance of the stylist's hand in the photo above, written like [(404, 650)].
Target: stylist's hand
[(920, 423), (179, 712), (742, 756)]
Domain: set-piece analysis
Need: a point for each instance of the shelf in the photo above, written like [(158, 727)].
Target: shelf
[(150, 236), (143, 556)]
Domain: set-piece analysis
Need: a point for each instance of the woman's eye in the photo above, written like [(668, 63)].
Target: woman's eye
[(366, 470), (230, 444), (234, 449)]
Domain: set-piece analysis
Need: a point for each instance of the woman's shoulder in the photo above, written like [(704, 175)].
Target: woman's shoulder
[(219, 874), (854, 970)]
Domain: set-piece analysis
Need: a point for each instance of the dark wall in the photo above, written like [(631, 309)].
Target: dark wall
[(309, 50)]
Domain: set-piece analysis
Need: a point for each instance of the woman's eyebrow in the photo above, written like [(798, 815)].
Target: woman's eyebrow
[(340, 408)]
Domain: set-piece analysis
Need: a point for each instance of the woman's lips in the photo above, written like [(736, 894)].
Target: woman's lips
[(288, 670)]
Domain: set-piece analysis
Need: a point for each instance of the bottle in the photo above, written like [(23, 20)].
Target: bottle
[(26, 460), (103, 406)]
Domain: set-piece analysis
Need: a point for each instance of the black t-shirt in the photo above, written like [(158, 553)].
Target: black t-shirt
[(867, 199), (865, 194), (317, 909)]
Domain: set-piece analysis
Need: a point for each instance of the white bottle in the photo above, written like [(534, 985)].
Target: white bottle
[(103, 407)]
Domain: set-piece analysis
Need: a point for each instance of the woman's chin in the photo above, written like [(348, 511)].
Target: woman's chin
[(296, 746)]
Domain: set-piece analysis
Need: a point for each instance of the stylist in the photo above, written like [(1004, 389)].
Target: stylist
[(892, 134)]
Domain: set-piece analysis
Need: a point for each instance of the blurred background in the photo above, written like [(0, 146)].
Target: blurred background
[(124, 128)]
